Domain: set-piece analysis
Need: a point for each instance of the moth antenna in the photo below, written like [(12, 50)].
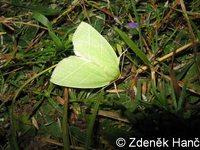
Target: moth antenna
[(122, 54), (115, 86)]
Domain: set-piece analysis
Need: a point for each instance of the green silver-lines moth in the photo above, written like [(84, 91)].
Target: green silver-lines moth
[(94, 65)]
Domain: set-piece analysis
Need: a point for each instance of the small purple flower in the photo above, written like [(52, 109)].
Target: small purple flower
[(132, 25)]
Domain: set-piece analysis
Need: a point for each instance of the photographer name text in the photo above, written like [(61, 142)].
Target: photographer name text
[(158, 142)]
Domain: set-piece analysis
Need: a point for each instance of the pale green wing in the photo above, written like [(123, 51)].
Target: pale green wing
[(91, 45), (79, 73), (95, 64)]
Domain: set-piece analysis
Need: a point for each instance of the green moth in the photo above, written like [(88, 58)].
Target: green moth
[(94, 65)]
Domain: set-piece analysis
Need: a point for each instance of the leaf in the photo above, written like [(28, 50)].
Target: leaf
[(42, 19), (40, 9)]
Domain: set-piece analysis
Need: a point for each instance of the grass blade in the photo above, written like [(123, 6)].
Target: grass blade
[(138, 22), (133, 46), (91, 125), (182, 96), (65, 125), (43, 20)]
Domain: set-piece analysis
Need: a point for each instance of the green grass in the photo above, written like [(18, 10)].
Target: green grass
[(158, 95)]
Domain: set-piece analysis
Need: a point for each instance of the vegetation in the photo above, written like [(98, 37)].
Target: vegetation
[(158, 94)]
